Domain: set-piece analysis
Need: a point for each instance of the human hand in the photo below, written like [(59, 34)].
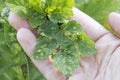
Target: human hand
[(101, 66)]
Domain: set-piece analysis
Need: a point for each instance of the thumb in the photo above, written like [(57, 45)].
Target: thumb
[(28, 41), (114, 21)]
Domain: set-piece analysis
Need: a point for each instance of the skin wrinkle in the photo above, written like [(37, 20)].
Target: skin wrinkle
[(110, 60), (100, 72), (103, 69), (116, 64), (107, 33), (98, 68), (99, 63)]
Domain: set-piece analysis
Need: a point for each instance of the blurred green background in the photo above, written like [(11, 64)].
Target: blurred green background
[(15, 65)]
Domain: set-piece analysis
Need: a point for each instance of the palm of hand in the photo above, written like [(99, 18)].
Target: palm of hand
[(104, 64), (101, 66)]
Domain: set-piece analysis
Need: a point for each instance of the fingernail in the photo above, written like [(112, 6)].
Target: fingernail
[(114, 18), (114, 21)]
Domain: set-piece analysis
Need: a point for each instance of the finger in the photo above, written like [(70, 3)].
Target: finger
[(18, 22), (28, 41), (114, 21), (90, 26)]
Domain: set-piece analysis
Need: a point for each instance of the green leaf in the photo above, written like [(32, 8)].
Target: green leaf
[(86, 46), (62, 40), (37, 5), (2, 4), (60, 15), (36, 18), (19, 10), (17, 2), (66, 63), (72, 29), (81, 2), (44, 48), (48, 29), (18, 7), (57, 11), (51, 5), (66, 40)]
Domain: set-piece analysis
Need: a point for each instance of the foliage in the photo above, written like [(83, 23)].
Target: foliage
[(60, 38), (14, 63), (100, 9)]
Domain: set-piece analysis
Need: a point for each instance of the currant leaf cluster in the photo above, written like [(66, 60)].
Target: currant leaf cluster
[(60, 39)]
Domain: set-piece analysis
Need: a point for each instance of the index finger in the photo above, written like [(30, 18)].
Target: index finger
[(18, 22), (91, 27)]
